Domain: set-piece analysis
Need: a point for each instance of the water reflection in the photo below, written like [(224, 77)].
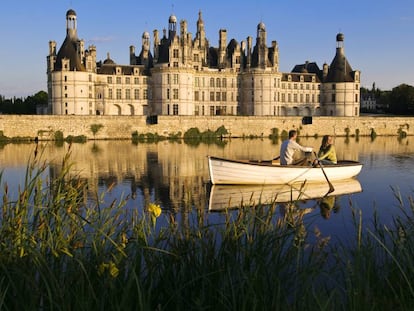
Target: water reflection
[(175, 175), (224, 197)]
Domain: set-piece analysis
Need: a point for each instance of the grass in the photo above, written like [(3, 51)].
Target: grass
[(63, 248)]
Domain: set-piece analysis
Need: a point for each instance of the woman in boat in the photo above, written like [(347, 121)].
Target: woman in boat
[(327, 152)]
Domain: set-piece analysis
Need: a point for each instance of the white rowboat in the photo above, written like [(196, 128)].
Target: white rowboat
[(247, 172), (234, 196)]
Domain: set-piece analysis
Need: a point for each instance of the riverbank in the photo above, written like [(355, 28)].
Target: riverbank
[(45, 127)]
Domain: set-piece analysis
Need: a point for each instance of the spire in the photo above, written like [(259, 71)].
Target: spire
[(340, 70), (71, 24)]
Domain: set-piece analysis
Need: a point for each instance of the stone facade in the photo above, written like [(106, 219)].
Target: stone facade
[(115, 127), (188, 77)]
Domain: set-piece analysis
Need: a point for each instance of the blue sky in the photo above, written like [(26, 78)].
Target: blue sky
[(379, 34)]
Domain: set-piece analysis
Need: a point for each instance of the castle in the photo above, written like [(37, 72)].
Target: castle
[(186, 76)]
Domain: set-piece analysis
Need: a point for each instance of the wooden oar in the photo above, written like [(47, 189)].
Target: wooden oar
[(331, 187)]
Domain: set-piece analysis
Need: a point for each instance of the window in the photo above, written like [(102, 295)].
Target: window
[(175, 78), (118, 93), (136, 80), (333, 86), (196, 96), (175, 94), (218, 96), (212, 96), (218, 83), (224, 82), (127, 80), (333, 98), (168, 93), (118, 80), (224, 96), (175, 53), (212, 82), (128, 94), (175, 109), (145, 94), (109, 80), (136, 93), (110, 95), (175, 64)]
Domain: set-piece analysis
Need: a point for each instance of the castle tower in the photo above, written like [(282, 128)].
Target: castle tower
[(341, 85), (172, 27)]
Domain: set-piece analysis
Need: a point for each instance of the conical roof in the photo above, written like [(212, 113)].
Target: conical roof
[(68, 51)]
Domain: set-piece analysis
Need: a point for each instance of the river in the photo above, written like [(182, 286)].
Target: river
[(175, 175)]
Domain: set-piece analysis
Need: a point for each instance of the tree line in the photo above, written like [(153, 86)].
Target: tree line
[(400, 101), (23, 105)]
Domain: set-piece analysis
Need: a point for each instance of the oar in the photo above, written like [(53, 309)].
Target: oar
[(331, 187)]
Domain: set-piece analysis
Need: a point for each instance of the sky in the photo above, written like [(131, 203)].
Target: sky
[(379, 34)]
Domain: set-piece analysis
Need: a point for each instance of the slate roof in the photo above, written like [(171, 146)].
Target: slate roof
[(340, 70), (68, 51)]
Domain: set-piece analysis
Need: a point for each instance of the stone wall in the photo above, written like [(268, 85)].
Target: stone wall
[(122, 127)]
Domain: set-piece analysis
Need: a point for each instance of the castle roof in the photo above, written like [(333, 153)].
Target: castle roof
[(68, 51)]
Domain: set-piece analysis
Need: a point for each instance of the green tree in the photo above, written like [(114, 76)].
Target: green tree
[(401, 99)]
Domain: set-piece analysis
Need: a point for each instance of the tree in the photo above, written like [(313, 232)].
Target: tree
[(401, 99)]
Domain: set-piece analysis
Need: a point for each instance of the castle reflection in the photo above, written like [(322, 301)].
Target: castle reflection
[(174, 174)]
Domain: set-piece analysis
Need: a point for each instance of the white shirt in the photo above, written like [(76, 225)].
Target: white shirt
[(287, 150)]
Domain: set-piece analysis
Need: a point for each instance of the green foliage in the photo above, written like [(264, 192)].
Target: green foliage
[(174, 136), (194, 137), (59, 136), (221, 131), (95, 128), (76, 139), (402, 133), (347, 131), (401, 100), (274, 133), (373, 134), (23, 106), (192, 133), (284, 135)]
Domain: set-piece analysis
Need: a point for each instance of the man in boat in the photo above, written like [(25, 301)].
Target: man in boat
[(288, 149)]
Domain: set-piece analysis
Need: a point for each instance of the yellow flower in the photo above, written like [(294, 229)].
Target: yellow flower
[(154, 209), (113, 269), (110, 267)]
